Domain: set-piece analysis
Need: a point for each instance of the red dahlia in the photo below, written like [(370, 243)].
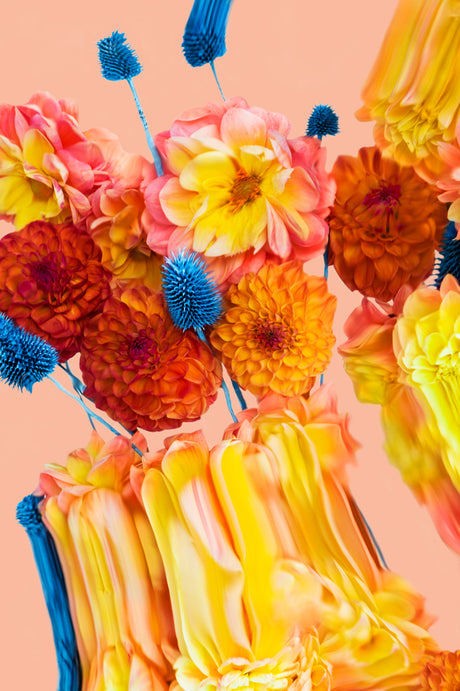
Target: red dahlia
[(52, 281)]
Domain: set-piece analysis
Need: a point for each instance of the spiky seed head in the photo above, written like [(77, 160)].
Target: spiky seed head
[(322, 121), (118, 60), (24, 357), (204, 36), (192, 297)]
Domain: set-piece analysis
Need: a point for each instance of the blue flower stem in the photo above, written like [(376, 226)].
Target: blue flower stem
[(202, 337), (55, 593), (373, 538), (90, 412), (213, 67), (156, 156), (326, 276), (239, 394), (79, 387)]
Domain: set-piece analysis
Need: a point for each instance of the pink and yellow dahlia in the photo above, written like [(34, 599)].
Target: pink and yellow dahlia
[(237, 190), (117, 226), (48, 167), (368, 356), (385, 225), (276, 333), (413, 89), (143, 371), (52, 282), (115, 579)]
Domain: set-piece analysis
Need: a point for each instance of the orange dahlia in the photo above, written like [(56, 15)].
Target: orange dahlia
[(52, 282), (143, 371), (385, 224), (442, 673), (276, 334)]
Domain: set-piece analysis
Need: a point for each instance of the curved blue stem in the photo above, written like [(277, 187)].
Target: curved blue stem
[(54, 591)]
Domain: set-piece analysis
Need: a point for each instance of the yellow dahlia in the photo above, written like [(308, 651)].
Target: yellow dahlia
[(276, 334), (413, 89), (141, 369), (385, 224), (427, 345)]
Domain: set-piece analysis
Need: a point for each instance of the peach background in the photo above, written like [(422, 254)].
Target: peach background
[(284, 56)]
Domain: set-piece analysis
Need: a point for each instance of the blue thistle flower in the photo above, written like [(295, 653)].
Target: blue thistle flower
[(204, 36), (54, 591), (24, 357), (322, 121), (191, 295), (118, 60), (449, 259)]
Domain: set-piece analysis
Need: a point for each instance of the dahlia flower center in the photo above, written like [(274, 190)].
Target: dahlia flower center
[(386, 197), (245, 189), (449, 366), (270, 335), (140, 347), (48, 275)]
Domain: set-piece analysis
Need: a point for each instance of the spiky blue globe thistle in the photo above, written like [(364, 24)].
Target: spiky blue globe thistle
[(449, 256), (28, 515), (191, 295), (204, 36), (118, 60), (322, 121), (24, 357)]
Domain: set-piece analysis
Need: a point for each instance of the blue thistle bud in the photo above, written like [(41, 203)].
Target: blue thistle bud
[(118, 60), (322, 121), (54, 591), (449, 259), (24, 357), (204, 36), (191, 295)]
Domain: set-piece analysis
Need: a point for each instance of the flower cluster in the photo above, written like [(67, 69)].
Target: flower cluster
[(247, 565)]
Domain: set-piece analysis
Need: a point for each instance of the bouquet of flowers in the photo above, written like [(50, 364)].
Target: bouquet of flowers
[(246, 564)]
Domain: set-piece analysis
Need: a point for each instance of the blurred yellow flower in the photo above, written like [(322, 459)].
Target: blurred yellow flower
[(413, 89), (274, 580), (114, 576), (427, 345)]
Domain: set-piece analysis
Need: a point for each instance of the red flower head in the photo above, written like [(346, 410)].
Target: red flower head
[(141, 369), (52, 281)]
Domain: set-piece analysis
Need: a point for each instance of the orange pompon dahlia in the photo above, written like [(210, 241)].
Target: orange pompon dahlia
[(385, 224), (442, 672), (276, 334), (143, 371), (52, 282)]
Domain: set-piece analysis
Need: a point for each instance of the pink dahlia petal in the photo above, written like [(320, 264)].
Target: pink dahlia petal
[(241, 127)]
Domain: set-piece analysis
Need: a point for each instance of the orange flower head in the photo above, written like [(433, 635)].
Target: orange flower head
[(442, 673), (385, 224), (276, 335), (141, 369), (52, 282)]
